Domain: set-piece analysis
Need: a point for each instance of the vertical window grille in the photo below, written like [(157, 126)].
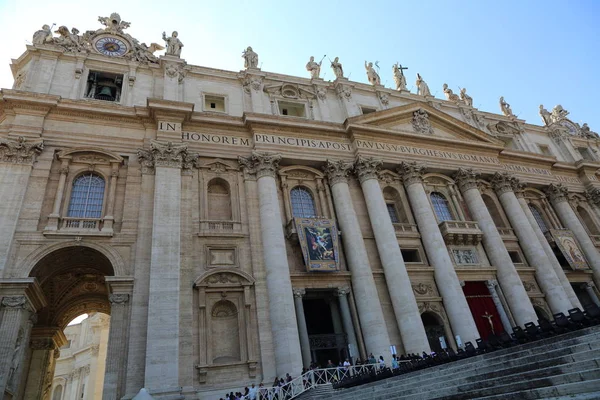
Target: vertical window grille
[(391, 208), (441, 206), (86, 197), (538, 218), (303, 204)]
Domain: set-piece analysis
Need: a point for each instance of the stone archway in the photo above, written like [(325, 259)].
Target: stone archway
[(69, 281), (434, 328)]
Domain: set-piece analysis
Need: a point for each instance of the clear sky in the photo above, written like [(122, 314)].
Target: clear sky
[(530, 52)]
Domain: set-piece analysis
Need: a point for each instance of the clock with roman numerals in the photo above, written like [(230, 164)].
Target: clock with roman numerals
[(111, 46)]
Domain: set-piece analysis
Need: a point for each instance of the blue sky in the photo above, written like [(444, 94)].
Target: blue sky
[(530, 52)]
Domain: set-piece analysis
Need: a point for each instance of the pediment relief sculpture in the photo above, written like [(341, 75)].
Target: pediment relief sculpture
[(290, 91), (224, 278)]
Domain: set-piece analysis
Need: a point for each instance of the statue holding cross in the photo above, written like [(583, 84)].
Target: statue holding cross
[(489, 317), (399, 77)]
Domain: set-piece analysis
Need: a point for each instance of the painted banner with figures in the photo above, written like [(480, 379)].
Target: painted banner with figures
[(568, 246), (319, 242)]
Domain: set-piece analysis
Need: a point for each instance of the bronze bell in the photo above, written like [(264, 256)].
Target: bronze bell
[(105, 93)]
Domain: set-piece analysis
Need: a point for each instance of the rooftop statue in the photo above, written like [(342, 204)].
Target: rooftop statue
[(586, 132), (422, 87), (250, 58), (336, 66), (468, 100), (174, 45), (558, 113), (450, 96), (399, 77), (314, 67), (505, 108), (42, 36), (546, 116), (372, 75), (114, 24)]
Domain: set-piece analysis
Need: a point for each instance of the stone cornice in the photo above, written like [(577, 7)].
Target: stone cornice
[(411, 173), (337, 171), (175, 111), (467, 179), (260, 164), (367, 168), (557, 193)]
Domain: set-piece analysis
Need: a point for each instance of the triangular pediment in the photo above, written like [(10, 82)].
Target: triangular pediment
[(421, 119)]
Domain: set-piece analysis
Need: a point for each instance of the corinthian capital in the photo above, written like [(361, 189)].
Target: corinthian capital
[(466, 178), (557, 192), (166, 154), (20, 151), (593, 195), (411, 172), (366, 168), (503, 182), (337, 171), (14, 301), (261, 164)]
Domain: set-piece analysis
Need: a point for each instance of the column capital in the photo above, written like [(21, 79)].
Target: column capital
[(20, 151), (557, 192), (593, 195), (167, 154), (342, 291), (261, 164), (503, 182), (337, 171), (411, 172), (491, 284), (299, 292), (462, 283), (118, 299), (367, 168), (14, 302), (466, 179), (64, 170)]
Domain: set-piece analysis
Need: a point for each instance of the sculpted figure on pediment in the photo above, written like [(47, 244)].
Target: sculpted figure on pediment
[(420, 122), (468, 100), (450, 96), (422, 87), (114, 24), (559, 113), (43, 36), (505, 108), (372, 75), (336, 66), (314, 68), (250, 58), (174, 45), (546, 116), (399, 77)]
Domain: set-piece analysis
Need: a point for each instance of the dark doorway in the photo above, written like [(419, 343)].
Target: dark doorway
[(434, 330), (325, 344)]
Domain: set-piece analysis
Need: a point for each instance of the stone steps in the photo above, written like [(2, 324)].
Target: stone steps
[(577, 390), (320, 392), (547, 368)]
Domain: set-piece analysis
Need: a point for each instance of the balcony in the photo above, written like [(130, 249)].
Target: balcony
[(69, 226), (461, 232), (220, 228), (406, 230), (506, 233)]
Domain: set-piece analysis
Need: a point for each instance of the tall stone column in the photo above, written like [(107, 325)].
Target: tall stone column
[(455, 303), (302, 329), (15, 312), (116, 354), (505, 184), (558, 195), (491, 285), (16, 161), (279, 285), (45, 344), (342, 294), (370, 313), (400, 290), (558, 270), (162, 344), (589, 288), (509, 279), (53, 218)]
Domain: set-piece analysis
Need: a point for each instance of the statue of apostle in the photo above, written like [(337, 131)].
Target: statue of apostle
[(336, 66), (42, 36), (314, 68), (422, 87), (174, 45), (372, 75), (399, 77), (250, 58)]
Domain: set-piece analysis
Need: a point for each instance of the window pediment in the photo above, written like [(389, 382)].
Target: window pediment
[(90, 155), (224, 277)]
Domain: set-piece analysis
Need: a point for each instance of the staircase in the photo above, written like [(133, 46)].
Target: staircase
[(319, 392), (562, 367)]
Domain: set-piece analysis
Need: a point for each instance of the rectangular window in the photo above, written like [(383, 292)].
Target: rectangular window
[(292, 109), (214, 103), (391, 208), (368, 110), (545, 150), (515, 257), (411, 255), (104, 86)]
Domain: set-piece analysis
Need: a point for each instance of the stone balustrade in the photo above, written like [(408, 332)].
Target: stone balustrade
[(461, 232)]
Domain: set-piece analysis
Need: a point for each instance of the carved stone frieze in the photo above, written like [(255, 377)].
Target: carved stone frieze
[(337, 171), (20, 151), (224, 278), (529, 286), (420, 122), (367, 168), (423, 289), (176, 71), (118, 299), (384, 98), (344, 92), (557, 192), (430, 306), (466, 178), (411, 172), (503, 182), (321, 93), (42, 344), (14, 302), (260, 164)]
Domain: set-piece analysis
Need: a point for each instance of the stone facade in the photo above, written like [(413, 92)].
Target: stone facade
[(163, 193)]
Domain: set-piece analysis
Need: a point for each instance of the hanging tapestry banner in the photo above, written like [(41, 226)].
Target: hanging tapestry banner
[(319, 242), (568, 246)]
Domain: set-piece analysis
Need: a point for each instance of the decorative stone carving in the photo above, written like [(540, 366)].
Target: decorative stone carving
[(118, 299), (450, 96), (42, 36), (384, 98), (587, 133), (422, 87), (252, 82), (558, 114), (261, 164), (299, 292), (176, 71), (114, 24), (19, 151), (427, 306), (14, 301), (166, 154), (467, 179), (546, 116), (557, 192), (593, 195), (505, 108), (504, 182), (529, 286), (465, 256), (367, 168), (468, 100), (20, 78), (420, 122), (372, 75), (337, 68), (95, 349), (344, 92), (411, 172), (174, 45), (423, 289), (337, 171), (223, 279), (250, 58), (342, 291), (314, 68), (321, 93), (504, 128), (42, 344), (399, 77)]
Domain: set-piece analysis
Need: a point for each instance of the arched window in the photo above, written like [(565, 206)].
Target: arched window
[(538, 218), (57, 393), (303, 204), (394, 206), (588, 221), (219, 200), (87, 196), (441, 206)]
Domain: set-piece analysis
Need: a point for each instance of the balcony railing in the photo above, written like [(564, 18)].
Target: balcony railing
[(220, 228), (405, 229), (461, 232), (81, 224), (328, 341)]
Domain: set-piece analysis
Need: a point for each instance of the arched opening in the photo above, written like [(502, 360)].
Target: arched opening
[(303, 203), (441, 206), (539, 218), (219, 200), (394, 206), (541, 313), (225, 332), (493, 209), (87, 196), (588, 221), (434, 328), (57, 394)]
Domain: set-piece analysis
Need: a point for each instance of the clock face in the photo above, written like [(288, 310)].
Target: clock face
[(111, 46)]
